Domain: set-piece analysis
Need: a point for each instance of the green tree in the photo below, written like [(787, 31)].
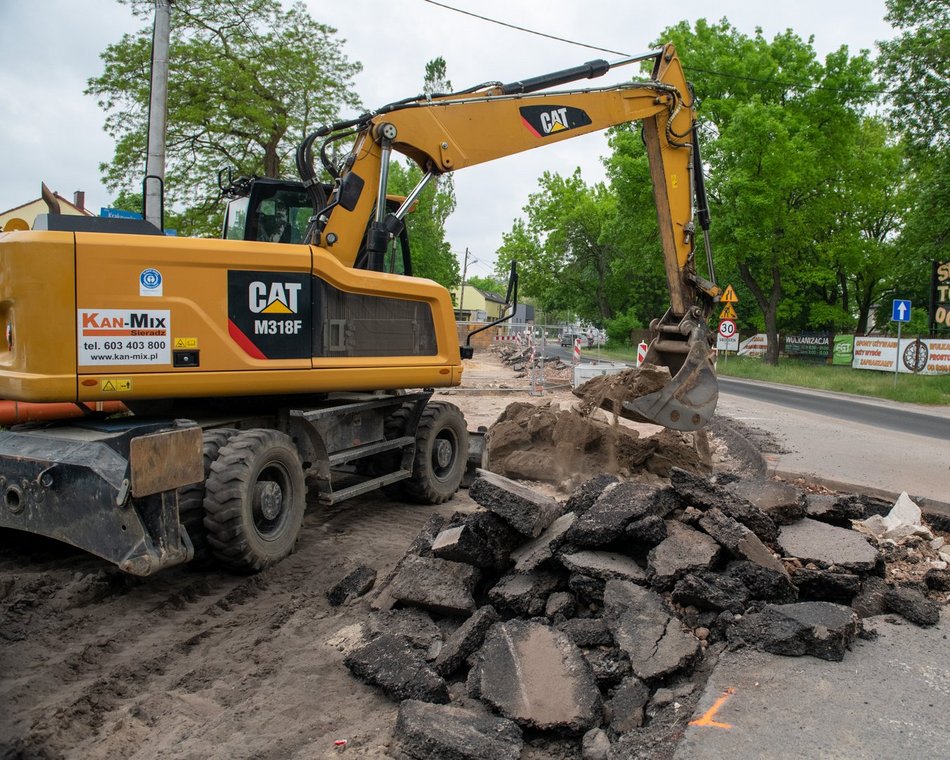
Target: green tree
[(488, 284), (916, 67), (432, 255), (783, 125), (564, 250), (247, 80)]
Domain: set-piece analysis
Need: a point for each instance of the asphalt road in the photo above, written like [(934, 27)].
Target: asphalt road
[(867, 443), (903, 418)]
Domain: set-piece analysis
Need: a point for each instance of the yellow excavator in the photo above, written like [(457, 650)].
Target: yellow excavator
[(299, 348)]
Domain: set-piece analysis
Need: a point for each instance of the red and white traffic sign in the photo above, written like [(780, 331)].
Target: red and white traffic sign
[(728, 337), (727, 328)]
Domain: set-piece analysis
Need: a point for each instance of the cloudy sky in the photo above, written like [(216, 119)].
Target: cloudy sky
[(50, 131)]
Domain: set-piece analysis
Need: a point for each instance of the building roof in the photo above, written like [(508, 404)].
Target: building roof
[(489, 296), (58, 197)]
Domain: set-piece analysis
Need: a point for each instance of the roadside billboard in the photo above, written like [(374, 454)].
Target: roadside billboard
[(808, 345), (927, 356), (754, 346), (940, 295), (843, 350)]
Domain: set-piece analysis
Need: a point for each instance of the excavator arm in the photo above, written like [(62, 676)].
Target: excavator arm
[(446, 133)]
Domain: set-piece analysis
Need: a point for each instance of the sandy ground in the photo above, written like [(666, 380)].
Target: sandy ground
[(195, 663)]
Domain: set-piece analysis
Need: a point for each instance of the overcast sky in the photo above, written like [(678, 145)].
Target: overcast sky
[(50, 131)]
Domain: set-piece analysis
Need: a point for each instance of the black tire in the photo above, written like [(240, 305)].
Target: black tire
[(191, 507), (254, 500), (441, 455)]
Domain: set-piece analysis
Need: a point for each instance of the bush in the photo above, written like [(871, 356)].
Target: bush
[(620, 327)]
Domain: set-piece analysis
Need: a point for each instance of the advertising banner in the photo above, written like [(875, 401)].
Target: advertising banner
[(843, 350), (940, 295), (926, 356), (808, 346), (754, 346)]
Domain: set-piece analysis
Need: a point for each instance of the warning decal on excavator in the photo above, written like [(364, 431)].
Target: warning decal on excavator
[(269, 313), (116, 384), (548, 120), (123, 336)]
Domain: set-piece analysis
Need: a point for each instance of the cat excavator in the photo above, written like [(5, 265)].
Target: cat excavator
[(299, 349)]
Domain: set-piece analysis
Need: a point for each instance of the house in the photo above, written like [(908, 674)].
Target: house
[(475, 305), (22, 217)]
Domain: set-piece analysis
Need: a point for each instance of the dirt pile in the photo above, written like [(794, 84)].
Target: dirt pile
[(548, 626), (524, 360), (560, 443)]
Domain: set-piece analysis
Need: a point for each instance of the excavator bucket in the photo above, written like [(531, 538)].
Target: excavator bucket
[(688, 400), (675, 386)]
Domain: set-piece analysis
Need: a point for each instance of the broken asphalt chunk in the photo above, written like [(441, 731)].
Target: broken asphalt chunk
[(912, 605), (827, 545), (741, 542), (606, 519), (604, 565), (625, 708), (826, 586), (535, 552), (763, 582), (436, 584), (352, 586), (445, 732), (583, 497), (390, 663), (523, 593), (782, 502), (711, 591), (465, 640), (655, 640), (683, 551), (821, 629), (481, 539), (525, 510), (536, 676)]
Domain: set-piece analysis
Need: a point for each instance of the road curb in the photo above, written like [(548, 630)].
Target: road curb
[(937, 512)]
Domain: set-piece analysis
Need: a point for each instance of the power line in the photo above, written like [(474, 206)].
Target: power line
[(722, 75), (523, 29)]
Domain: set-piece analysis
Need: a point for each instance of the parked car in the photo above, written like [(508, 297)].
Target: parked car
[(567, 339)]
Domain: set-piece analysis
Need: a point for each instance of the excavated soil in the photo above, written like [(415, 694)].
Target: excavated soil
[(198, 663)]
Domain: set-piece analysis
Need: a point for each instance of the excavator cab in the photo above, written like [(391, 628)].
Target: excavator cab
[(279, 211)]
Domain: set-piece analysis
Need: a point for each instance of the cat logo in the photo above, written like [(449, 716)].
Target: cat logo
[(277, 298), (551, 120)]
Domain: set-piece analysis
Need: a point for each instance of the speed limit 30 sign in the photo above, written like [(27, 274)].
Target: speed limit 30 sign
[(728, 337)]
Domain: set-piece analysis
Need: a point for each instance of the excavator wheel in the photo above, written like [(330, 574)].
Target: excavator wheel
[(191, 507), (254, 500), (441, 454)]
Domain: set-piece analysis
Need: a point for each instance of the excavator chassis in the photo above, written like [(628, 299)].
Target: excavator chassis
[(115, 488)]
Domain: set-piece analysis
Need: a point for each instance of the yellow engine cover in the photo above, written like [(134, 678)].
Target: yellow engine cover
[(94, 316)]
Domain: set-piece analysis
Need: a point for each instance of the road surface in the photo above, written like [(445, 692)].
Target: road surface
[(882, 445)]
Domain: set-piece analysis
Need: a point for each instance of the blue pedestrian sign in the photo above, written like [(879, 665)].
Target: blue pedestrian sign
[(901, 311)]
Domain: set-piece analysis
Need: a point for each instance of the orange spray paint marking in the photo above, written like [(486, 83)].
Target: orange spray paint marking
[(707, 719)]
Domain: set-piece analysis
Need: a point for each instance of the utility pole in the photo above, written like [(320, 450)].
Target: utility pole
[(464, 275), (153, 186)]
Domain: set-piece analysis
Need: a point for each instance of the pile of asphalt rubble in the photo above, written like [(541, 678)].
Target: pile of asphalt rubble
[(586, 628)]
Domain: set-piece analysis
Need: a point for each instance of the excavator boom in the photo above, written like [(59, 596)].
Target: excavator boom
[(446, 133)]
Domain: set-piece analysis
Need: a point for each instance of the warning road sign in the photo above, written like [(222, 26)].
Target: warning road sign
[(728, 312), (729, 296)]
